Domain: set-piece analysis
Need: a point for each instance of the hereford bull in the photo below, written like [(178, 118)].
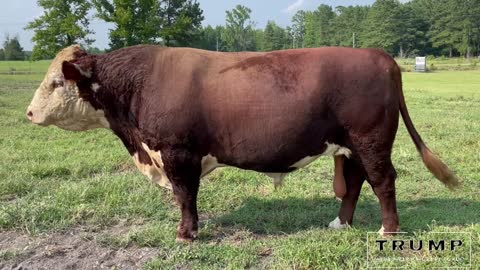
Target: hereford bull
[(183, 112)]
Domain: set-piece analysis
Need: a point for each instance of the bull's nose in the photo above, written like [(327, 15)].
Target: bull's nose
[(29, 115)]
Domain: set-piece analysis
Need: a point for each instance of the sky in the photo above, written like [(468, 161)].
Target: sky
[(14, 15)]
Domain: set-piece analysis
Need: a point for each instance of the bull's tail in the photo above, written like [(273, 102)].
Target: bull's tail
[(431, 161)]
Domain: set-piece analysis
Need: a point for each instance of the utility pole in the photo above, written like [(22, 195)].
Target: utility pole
[(353, 39)]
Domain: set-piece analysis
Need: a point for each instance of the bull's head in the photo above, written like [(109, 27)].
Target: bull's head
[(58, 100)]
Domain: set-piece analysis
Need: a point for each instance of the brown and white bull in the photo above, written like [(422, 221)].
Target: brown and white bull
[(183, 112)]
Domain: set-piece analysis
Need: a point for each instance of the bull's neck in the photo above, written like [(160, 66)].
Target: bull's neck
[(120, 84)]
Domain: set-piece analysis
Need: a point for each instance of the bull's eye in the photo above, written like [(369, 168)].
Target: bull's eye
[(57, 84)]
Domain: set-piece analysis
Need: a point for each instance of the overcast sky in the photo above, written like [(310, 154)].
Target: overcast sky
[(15, 14)]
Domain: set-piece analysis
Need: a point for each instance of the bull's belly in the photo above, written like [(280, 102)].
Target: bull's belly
[(210, 162)]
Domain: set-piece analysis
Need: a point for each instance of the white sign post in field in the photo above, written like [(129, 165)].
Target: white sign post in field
[(421, 64)]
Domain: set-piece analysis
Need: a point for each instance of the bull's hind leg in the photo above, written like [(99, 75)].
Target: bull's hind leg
[(381, 175), (354, 178), (383, 184)]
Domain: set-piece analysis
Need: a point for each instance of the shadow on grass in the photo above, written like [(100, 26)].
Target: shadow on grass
[(286, 216)]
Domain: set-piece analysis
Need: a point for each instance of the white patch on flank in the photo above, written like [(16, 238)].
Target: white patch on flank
[(95, 87), (332, 150), (209, 163), (278, 178), (153, 172), (337, 224)]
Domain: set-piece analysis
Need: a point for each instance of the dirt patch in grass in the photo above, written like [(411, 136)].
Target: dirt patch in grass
[(76, 249)]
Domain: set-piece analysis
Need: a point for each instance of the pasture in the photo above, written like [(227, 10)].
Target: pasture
[(76, 199)]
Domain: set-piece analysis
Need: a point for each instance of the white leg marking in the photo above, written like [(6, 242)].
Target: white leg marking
[(337, 224), (381, 231)]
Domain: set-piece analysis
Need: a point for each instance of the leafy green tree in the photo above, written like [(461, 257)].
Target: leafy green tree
[(171, 22), (12, 49), (347, 25), (318, 27), (135, 21), (311, 30), (382, 25), (259, 37), (239, 29), (180, 22), (2, 55), (63, 23), (274, 37), (455, 26), (210, 39), (288, 38), (298, 29), (412, 33)]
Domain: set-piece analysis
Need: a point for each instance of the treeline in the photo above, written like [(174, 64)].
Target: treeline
[(417, 27), (11, 50)]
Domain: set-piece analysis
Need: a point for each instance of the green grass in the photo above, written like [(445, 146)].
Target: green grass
[(24, 66), (54, 180)]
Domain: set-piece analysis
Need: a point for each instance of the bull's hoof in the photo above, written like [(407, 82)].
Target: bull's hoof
[(187, 237), (337, 224), (384, 232)]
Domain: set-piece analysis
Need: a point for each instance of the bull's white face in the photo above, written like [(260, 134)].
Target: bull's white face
[(57, 101)]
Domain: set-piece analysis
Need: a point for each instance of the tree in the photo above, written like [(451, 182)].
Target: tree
[(12, 49), (318, 27), (135, 21), (298, 29), (455, 26), (210, 39), (412, 34), (347, 25), (259, 37), (288, 40), (274, 37), (239, 32), (382, 25), (180, 22), (64, 22), (2, 55)]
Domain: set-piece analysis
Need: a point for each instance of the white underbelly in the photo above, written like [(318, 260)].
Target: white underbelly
[(209, 162)]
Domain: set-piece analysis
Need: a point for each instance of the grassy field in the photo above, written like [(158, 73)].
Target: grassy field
[(54, 182), (22, 67)]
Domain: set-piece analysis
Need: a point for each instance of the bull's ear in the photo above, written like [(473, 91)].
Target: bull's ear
[(75, 72)]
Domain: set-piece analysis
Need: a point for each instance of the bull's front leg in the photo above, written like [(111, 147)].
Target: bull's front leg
[(184, 175)]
